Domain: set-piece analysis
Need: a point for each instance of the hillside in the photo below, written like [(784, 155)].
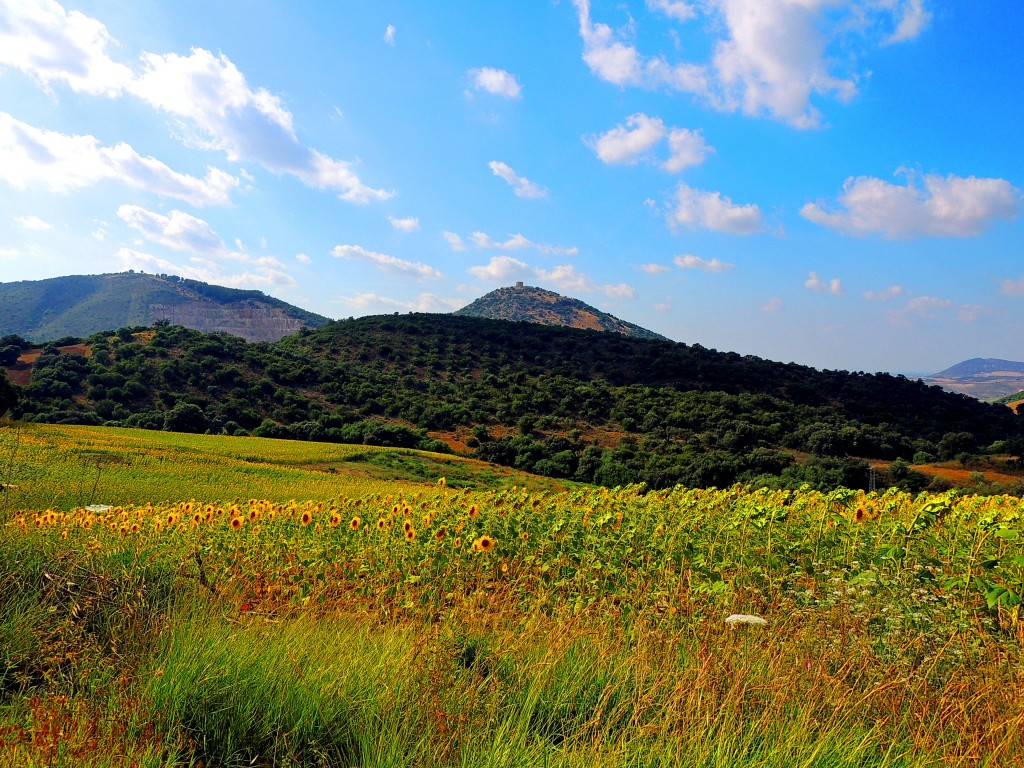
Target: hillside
[(525, 303), (567, 403), (983, 378), (81, 305)]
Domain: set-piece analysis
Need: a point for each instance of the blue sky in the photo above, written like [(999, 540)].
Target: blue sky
[(832, 182)]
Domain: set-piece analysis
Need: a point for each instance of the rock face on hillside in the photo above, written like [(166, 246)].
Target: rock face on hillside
[(81, 305), (526, 303), (985, 378)]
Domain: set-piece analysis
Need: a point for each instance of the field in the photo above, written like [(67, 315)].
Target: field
[(173, 600)]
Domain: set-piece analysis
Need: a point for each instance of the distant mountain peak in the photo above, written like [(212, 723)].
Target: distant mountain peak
[(985, 378), (527, 303), (81, 305)]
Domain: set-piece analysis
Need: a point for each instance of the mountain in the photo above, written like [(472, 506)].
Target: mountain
[(525, 303), (985, 378), (81, 305), (563, 402)]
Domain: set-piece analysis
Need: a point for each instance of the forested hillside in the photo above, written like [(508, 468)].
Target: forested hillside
[(569, 403)]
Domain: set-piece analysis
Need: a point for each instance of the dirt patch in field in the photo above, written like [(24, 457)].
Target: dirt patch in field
[(21, 372)]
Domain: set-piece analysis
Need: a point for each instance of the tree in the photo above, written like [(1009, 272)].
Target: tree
[(9, 394), (185, 417)]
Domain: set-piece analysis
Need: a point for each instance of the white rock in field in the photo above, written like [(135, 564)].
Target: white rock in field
[(98, 507), (744, 618)]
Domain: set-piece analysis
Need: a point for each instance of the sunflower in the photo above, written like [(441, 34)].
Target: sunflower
[(441, 482), (525, 536), (860, 515), (237, 523), (484, 544), (410, 533), (408, 526), (307, 518), (355, 523), (474, 511), (458, 542), (440, 533), (381, 524)]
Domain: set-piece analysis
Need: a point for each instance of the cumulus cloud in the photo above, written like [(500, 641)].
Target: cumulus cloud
[(303, 258), (178, 230), (500, 269), (711, 210), (1012, 287), (211, 96), (935, 206), (519, 242), (770, 57), (523, 186), (506, 269), (424, 302), (63, 162), (689, 261), (675, 9), (454, 240), (411, 224), (33, 223), (263, 276), (496, 81), (912, 22), (816, 284), (651, 268), (386, 262), (686, 148), (52, 45), (207, 94), (389, 34), (628, 142), (887, 294)]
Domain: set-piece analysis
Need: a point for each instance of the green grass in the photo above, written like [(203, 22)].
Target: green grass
[(71, 466)]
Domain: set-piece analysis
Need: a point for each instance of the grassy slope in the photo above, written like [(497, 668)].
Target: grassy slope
[(66, 466)]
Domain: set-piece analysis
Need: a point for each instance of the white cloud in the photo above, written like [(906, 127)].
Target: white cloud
[(389, 34), (887, 294), (627, 143), (712, 210), (496, 81), (770, 57), (425, 302), (686, 148), (53, 45), (33, 223), (500, 269), (689, 261), (303, 258), (522, 185), (385, 262), (520, 242), (63, 162), (178, 230), (816, 284), (411, 224), (633, 140), (773, 306), (675, 9), (213, 99), (652, 268), (454, 240), (262, 277), (1012, 287), (939, 206), (9, 253), (913, 21)]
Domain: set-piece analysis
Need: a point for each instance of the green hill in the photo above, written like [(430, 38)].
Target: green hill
[(567, 403), (536, 305), (80, 305)]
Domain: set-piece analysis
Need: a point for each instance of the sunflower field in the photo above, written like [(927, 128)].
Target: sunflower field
[(400, 623)]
